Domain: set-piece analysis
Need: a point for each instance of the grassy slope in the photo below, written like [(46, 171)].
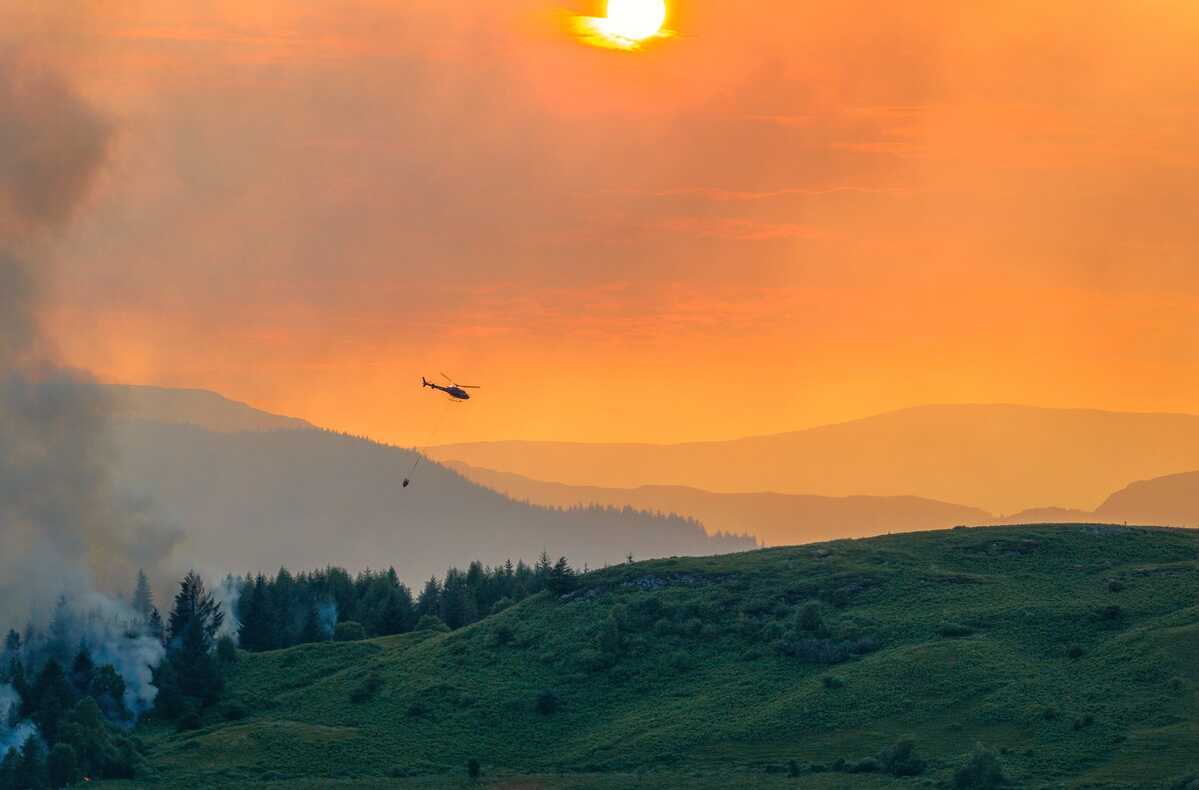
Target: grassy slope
[(701, 699)]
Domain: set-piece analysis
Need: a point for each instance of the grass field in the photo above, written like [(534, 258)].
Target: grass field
[(1072, 652)]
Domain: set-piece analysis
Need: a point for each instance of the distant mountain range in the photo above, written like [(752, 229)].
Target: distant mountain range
[(1004, 459), (1173, 500), (254, 500), (203, 408), (270, 489), (775, 519)]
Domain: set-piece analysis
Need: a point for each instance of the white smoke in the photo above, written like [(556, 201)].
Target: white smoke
[(21, 731), (227, 593), (117, 635), (326, 612)]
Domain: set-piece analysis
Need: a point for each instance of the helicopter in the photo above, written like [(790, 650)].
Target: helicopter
[(455, 391)]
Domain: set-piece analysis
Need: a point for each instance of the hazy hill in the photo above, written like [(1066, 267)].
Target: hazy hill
[(1069, 651), (255, 500), (775, 519), (196, 407), (1001, 458), (1166, 500)]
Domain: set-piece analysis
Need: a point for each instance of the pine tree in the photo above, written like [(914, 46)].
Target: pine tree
[(194, 622), (12, 642), (62, 766), (31, 767), (83, 670), (561, 578), (258, 618), (52, 698), (312, 627), (429, 602), (193, 604), (143, 599), (154, 626)]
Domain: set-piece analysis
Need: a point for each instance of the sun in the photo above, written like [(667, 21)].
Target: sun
[(628, 25), (635, 20)]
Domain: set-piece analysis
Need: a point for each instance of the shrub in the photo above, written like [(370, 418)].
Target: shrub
[(832, 682), (954, 630), (431, 622), (1189, 782), (1115, 585), (189, 717), (417, 709), (681, 661), (349, 631), (1111, 612), (368, 688), (226, 650), (501, 605), (591, 660), (504, 635), (1051, 713), (982, 771), (547, 702), (900, 759), (235, 711), (1075, 652), (1084, 722), (868, 766), (810, 619), (472, 768), (792, 769)]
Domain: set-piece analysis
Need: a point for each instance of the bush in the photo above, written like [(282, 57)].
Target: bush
[(868, 766), (1075, 652), (417, 709), (235, 711), (472, 769), (349, 631), (1084, 722), (368, 688), (547, 702), (900, 759), (982, 771), (189, 717), (1115, 585), (954, 630), (832, 682), (226, 650), (810, 619), (504, 635), (431, 622), (1051, 713), (792, 769)]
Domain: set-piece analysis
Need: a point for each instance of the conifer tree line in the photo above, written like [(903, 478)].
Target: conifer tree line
[(285, 609)]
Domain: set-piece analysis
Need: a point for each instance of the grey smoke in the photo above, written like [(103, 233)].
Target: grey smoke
[(64, 527), (20, 731)]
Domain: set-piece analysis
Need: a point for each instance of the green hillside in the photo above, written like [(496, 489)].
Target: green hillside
[(1072, 652)]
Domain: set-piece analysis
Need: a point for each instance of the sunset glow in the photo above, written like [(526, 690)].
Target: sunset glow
[(866, 210)]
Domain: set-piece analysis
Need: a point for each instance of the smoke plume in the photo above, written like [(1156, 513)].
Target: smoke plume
[(64, 527)]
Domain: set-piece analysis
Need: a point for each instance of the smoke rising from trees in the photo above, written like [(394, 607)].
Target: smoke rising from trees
[(63, 525)]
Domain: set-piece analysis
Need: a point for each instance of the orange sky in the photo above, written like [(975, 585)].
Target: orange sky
[(787, 214)]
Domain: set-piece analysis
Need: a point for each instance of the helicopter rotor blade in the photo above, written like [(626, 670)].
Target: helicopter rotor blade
[(447, 378)]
